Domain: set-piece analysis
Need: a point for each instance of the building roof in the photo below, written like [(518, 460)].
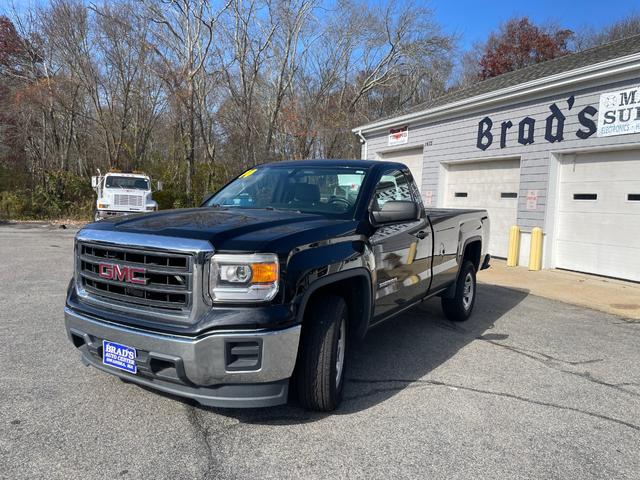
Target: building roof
[(574, 61)]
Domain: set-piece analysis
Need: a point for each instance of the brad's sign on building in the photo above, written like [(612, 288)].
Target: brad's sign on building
[(526, 128), (619, 113)]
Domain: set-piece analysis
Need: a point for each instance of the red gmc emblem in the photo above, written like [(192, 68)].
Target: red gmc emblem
[(122, 273)]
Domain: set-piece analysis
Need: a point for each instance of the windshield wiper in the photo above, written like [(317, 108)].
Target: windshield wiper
[(282, 209)]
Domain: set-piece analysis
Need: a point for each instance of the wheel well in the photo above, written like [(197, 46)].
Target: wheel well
[(356, 292), (472, 253)]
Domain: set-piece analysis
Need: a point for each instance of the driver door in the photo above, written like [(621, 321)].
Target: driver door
[(402, 250)]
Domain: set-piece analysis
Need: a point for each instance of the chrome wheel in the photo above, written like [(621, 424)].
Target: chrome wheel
[(467, 295), (342, 336)]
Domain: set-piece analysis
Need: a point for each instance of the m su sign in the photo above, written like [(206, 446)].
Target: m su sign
[(554, 126), (619, 113)]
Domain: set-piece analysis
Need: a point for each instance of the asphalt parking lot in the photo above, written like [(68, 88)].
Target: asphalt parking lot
[(528, 388)]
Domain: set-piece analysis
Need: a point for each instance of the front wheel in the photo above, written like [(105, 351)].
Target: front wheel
[(96, 216), (320, 370), (459, 308)]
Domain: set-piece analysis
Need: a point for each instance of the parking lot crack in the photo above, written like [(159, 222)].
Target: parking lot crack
[(560, 366), (616, 386), (421, 382), (202, 432), (534, 355), (628, 321)]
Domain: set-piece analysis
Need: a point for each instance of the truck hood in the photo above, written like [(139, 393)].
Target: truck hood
[(234, 229)]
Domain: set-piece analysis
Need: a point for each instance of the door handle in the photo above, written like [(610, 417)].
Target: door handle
[(422, 234)]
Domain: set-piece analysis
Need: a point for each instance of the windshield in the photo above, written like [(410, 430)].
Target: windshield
[(326, 190), (127, 182)]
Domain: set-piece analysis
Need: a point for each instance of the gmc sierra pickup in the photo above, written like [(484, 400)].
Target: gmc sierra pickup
[(268, 282)]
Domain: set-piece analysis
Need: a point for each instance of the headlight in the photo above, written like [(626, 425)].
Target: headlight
[(243, 278), (103, 205)]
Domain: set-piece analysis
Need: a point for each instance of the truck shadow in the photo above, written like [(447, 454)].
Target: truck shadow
[(398, 353)]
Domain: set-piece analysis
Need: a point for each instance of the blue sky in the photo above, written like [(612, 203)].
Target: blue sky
[(472, 20)]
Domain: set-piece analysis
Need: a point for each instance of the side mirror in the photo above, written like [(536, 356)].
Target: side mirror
[(158, 186), (395, 211), (94, 182)]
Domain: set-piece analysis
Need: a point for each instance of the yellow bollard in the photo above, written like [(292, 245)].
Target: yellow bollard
[(535, 256), (514, 246)]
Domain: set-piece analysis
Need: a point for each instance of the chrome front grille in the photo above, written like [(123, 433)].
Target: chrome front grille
[(160, 281), (124, 200)]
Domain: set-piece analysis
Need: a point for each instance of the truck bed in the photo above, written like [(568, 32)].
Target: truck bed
[(445, 213)]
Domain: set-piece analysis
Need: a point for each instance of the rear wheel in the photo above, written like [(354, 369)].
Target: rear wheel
[(320, 371), (459, 308)]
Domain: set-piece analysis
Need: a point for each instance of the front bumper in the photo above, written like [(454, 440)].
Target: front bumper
[(222, 369), (101, 214)]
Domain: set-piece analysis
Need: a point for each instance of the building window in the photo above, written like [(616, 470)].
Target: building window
[(508, 195), (585, 196), (633, 197), (460, 194)]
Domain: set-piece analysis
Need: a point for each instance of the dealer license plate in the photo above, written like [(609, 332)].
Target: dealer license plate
[(119, 356)]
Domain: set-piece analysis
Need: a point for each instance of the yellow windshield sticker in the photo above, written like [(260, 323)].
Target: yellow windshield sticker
[(248, 172)]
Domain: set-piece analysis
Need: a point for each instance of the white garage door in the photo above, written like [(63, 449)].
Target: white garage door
[(412, 158), (598, 219), (491, 185)]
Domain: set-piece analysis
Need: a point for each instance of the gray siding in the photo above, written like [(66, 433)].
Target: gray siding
[(454, 140)]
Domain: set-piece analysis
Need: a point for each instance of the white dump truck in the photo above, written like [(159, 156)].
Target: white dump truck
[(122, 194)]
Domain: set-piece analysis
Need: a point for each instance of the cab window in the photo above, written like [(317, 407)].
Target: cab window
[(315, 189)]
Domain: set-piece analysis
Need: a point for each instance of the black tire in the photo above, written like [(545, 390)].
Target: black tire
[(316, 379), (459, 308), (96, 218)]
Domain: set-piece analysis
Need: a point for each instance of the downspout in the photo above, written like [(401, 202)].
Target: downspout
[(363, 141)]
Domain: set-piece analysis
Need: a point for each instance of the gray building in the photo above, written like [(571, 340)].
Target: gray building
[(555, 145)]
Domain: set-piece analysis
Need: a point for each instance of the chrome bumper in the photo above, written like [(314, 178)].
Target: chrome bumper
[(202, 368)]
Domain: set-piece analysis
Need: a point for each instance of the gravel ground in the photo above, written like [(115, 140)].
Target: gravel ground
[(528, 388)]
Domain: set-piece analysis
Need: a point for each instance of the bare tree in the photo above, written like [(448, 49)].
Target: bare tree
[(196, 90), (130, 99), (183, 37), (373, 61), (293, 18), (623, 28), (242, 50)]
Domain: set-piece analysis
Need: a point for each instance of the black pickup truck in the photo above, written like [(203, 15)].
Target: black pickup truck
[(268, 282)]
